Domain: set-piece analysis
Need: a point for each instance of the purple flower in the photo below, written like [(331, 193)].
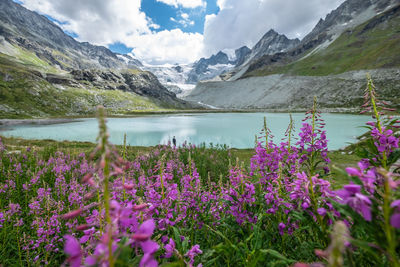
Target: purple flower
[(193, 252), (73, 249), (169, 248), (353, 171), (281, 227), (395, 219), (321, 211), (385, 142), (145, 231), (149, 247), (351, 196)]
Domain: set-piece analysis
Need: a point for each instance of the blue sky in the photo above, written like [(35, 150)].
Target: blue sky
[(161, 32), (161, 14)]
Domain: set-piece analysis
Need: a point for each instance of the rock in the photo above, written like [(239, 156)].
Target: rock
[(241, 55), (36, 33), (343, 92)]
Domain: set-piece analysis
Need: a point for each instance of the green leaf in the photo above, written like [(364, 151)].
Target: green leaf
[(173, 264), (276, 254)]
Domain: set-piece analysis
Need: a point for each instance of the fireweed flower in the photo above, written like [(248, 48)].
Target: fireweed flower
[(351, 195), (192, 253), (73, 249), (395, 219), (369, 177), (149, 247), (385, 142), (169, 248)]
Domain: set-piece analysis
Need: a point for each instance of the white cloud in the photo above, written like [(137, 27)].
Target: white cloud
[(104, 22), (185, 15), (239, 22), (242, 22), (173, 46), (184, 3), (184, 20), (97, 21)]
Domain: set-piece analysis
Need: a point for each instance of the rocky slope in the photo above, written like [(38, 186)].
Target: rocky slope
[(345, 18), (219, 64), (28, 91), (205, 69), (343, 92), (178, 78), (36, 52), (331, 62), (24, 28), (272, 43), (181, 79)]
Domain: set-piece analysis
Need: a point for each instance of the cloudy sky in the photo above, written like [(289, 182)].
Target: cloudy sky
[(180, 31)]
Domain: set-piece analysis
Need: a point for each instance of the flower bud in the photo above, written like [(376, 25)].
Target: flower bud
[(82, 227), (72, 214), (128, 186), (140, 206)]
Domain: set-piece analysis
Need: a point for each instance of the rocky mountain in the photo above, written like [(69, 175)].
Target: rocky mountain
[(331, 62), (347, 16), (272, 43), (208, 68), (131, 62), (181, 79), (173, 77), (241, 55), (34, 32), (343, 92), (36, 52)]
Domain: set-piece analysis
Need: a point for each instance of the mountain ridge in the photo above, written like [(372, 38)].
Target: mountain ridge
[(369, 41), (36, 52)]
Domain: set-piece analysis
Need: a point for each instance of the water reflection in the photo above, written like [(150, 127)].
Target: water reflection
[(233, 129)]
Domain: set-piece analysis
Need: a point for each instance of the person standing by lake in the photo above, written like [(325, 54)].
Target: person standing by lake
[(174, 141)]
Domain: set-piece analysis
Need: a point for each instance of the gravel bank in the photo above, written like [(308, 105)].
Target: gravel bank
[(342, 92)]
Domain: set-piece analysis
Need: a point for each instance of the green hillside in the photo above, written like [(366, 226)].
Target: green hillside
[(24, 93), (371, 45)]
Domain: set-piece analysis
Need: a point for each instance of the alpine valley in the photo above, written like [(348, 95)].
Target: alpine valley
[(45, 72)]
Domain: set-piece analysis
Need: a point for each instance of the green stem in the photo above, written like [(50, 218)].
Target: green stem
[(290, 132), (377, 116), (19, 248), (123, 177), (312, 168), (162, 180), (106, 173), (389, 231), (266, 133), (107, 208)]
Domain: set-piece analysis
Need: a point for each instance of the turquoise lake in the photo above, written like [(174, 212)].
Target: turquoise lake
[(233, 129)]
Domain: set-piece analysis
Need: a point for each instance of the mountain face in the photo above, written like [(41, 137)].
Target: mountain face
[(272, 43), (205, 69), (36, 33), (347, 16), (132, 63), (241, 55), (173, 77), (182, 78), (331, 62), (351, 11), (37, 53)]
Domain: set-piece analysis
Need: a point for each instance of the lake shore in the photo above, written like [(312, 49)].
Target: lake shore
[(44, 121), (234, 129), (65, 119)]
